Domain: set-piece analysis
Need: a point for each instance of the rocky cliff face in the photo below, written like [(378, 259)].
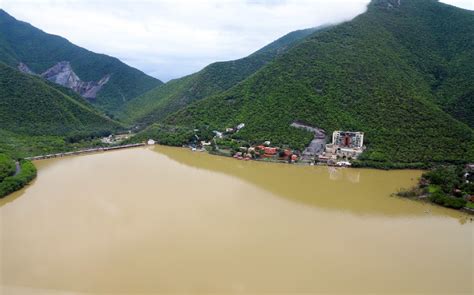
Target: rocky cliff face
[(90, 89), (63, 74), (25, 69)]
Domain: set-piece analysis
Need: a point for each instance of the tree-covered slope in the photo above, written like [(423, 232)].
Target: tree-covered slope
[(31, 106), (440, 40), (7, 166), (390, 72), (215, 78), (22, 43)]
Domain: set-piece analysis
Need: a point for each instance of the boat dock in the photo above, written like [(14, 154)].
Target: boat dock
[(92, 150)]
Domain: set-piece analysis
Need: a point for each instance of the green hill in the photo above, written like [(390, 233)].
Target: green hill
[(215, 78), (22, 43), (401, 72), (31, 106)]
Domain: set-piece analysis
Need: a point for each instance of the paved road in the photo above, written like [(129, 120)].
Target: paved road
[(316, 146), (18, 168)]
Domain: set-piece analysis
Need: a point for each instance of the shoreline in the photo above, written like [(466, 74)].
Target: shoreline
[(219, 154), (25, 175), (85, 151), (425, 199), (357, 165), (298, 163)]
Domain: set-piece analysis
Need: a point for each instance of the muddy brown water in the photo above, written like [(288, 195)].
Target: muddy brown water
[(161, 220)]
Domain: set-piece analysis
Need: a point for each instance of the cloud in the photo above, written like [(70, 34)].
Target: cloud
[(466, 4), (172, 38)]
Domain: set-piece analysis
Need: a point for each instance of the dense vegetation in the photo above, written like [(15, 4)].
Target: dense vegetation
[(29, 105), (7, 166), (9, 181), (21, 145), (38, 117), (21, 42), (13, 183), (165, 134), (393, 72), (450, 186), (215, 78)]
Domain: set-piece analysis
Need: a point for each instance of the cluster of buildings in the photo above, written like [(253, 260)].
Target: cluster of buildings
[(116, 138), (265, 151), (346, 145), (230, 130)]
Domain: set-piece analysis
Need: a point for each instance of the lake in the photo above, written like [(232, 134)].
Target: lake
[(170, 221)]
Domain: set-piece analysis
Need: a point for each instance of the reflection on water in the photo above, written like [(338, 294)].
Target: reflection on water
[(360, 191), (166, 220), (336, 173)]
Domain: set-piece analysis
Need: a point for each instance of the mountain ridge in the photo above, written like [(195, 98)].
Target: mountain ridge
[(30, 106), (381, 73), (214, 78), (21, 42)]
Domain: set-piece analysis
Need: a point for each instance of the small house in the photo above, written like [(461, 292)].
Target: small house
[(270, 151), (218, 134)]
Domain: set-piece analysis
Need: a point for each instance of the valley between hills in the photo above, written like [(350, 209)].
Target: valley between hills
[(399, 76)]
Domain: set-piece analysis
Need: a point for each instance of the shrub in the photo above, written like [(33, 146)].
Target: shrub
[(7, 166), (407, 193), (442, 199), (447, 177)]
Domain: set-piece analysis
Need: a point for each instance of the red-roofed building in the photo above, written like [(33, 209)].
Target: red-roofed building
[(270, 151)]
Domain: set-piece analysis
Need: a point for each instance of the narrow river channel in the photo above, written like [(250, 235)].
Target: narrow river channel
[(166, 220)]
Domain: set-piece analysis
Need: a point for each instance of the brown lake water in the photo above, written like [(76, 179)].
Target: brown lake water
[(161, 220)]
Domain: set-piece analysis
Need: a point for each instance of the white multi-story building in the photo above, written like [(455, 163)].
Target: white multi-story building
[(345, 144), (348, 139)]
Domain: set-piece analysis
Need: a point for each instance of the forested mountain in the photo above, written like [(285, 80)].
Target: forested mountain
[(215, 78), (105, 81), (401, 72), (31, 106)]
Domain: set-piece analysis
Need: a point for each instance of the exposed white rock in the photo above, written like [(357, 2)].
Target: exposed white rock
[(63, 74), (25, 69), (90, 89)]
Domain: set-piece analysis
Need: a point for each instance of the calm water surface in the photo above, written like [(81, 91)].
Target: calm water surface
[(166, 220)]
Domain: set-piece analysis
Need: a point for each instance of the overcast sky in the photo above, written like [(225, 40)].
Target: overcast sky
[(172, 38)]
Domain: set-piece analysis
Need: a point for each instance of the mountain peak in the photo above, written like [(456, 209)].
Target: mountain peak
[(386, 4), (5, 15)]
